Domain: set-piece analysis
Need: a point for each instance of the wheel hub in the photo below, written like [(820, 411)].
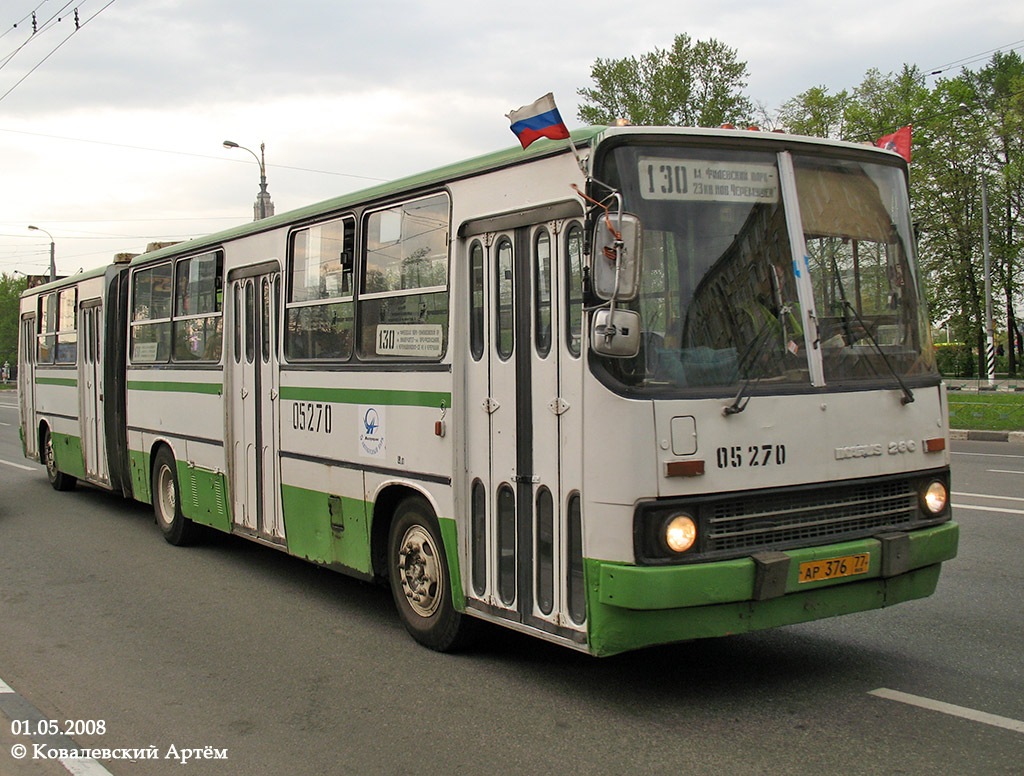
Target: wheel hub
[(420, 572), (168, 502)]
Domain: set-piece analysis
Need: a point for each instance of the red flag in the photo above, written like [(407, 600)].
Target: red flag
[(898, 141)]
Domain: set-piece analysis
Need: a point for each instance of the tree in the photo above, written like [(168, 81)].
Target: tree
[(10, 293), (1000, 108), (816, 112), (947, 207), (691, 84)]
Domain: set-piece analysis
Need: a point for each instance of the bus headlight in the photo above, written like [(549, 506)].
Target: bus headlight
[(680, 533), (934, 497)]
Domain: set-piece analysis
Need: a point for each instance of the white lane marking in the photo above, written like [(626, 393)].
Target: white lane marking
[(5, 424), (17, 465), (948, 708), (978, 508), (992, 455), (86, 766), (989, 495), (1004, 471)]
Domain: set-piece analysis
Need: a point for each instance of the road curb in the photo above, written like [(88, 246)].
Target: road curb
[(1016, 437)]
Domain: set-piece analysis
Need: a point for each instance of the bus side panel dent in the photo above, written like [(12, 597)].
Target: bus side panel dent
[(327, 528), (67, 449), (632, 607), (139, 462)]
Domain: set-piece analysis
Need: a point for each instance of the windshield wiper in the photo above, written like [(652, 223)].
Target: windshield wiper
[(907, 395), (763, 338)]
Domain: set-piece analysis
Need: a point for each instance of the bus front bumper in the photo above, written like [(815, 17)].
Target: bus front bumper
[(637, 606)]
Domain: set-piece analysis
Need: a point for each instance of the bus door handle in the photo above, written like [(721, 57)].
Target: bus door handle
[(244, 393), (273, 394)]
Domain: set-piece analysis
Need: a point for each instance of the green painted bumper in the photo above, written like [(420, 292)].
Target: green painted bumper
[(637, 606)]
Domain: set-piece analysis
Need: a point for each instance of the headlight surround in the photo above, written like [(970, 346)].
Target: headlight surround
[(934, 498), (679, 533)]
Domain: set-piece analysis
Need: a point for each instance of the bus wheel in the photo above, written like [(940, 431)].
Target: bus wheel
[(58, 479), (176, 528), (420, 582)]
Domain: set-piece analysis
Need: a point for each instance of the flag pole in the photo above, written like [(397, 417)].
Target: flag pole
[(579, 159)]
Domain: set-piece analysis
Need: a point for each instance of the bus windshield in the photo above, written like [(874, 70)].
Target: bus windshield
[(719, 299)]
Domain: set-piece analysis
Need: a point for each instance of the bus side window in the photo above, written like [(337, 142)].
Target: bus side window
[(151, 314), (47, 338), (198, 328), (319, 308), (67, 325), (403, 295)]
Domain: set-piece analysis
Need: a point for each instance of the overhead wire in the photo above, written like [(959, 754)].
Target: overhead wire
[(37, 31), (79, 25), (23, 19), (971, 59), (192, 154)]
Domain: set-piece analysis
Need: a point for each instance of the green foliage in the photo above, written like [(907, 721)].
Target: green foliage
[(10, 292), (690, 84), (816, 112), (955, 360)]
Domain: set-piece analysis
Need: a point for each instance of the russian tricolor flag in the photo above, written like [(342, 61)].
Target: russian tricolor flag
[(538, 119)]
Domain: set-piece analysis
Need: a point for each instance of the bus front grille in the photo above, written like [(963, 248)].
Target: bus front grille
[(750, 523)]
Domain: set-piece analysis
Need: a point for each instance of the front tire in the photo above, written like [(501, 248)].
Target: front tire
[(176, 528), (420, 581), (58, 479)]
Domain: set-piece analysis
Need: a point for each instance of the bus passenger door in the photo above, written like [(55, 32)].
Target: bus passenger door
[(520, 427), (26, 385), (253, 407), (90, 382)]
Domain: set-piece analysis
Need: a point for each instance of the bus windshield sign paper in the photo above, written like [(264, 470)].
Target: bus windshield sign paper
[(412, 339), (703, 180), (145, 351)]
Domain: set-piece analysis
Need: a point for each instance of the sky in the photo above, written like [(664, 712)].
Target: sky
[(111, 134)]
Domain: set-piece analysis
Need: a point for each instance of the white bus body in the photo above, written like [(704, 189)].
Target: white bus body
[(406, 384)]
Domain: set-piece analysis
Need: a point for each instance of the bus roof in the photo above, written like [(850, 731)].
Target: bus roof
[(70, 280)]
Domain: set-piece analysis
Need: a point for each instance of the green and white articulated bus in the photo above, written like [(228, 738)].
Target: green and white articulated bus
[(638, 387)]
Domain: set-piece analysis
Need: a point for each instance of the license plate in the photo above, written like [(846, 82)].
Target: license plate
[(834, 568)]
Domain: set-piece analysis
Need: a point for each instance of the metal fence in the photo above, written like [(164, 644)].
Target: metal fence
[(987, 410)]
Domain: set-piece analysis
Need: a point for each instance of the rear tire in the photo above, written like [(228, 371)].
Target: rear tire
[(176, 528), (420, 581), (58, 479)]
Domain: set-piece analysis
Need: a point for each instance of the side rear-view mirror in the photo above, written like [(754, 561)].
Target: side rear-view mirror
[(616, 265), (615, 333)]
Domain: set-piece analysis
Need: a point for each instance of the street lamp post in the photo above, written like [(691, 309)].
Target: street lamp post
[(263, 207), (53, 264)]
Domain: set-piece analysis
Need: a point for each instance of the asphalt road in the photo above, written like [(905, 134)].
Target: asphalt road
[(289, 669)]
